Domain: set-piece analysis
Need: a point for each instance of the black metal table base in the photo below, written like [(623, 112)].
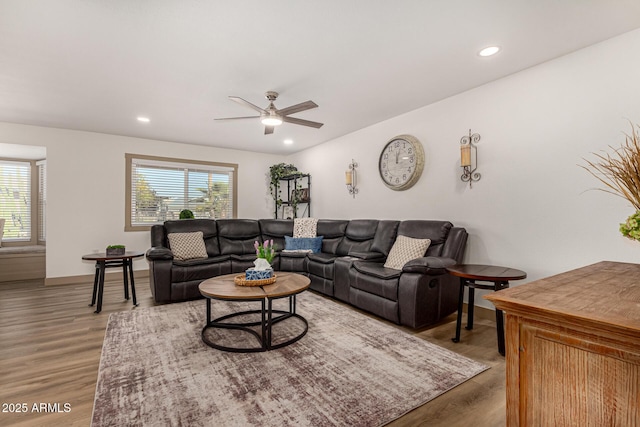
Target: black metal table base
[(98, 281), (472, 285), (264, 337)]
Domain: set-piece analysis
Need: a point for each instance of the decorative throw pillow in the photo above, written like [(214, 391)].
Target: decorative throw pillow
[(314, 244), (404, 250), (305, 227), (187, 245)]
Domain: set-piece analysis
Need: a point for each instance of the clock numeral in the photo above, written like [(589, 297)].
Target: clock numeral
[(386, 156), (410, 151), (409, 170), (397, 180), (404, 176), (397, 144)]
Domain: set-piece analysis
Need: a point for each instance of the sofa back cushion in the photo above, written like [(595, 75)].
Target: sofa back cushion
[(207, 226), (276, 229), (436, 231), (238, 235), (332, 231), (385, 236), (358, 236)]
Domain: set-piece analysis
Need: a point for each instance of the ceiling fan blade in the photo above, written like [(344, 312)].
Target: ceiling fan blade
[(247, 103), (268, 130), (238, 118), (298, 107), (302, 122)]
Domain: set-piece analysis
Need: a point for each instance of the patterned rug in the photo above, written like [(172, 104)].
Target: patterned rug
[(349, 369)]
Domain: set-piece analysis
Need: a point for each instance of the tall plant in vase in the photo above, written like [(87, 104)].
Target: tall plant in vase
[(619, 171)]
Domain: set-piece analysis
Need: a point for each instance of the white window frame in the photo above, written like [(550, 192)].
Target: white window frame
[(172, 163)]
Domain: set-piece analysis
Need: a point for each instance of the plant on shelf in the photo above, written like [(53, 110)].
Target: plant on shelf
[(620, 173), (115, 250), (186, 214), (277, 173)]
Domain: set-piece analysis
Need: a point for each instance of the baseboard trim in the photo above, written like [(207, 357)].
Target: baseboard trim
[(88, 278)]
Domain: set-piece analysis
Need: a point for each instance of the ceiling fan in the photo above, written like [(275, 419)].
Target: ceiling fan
[(271, 116)]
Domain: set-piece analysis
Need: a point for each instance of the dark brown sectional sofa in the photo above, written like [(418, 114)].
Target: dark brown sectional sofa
[(350, 266)]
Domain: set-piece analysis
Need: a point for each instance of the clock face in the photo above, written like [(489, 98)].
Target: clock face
[(401, 162)]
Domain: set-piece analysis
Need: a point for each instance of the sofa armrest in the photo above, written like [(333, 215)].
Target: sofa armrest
[(367, 256), (159, 253), (432, 265)]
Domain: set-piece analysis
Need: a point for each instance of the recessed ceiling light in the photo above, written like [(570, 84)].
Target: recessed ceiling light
[(288, 141), (144, 119), (488, 51)]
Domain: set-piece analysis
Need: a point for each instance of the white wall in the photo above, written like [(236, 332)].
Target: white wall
[(86, 185), (531, 210)]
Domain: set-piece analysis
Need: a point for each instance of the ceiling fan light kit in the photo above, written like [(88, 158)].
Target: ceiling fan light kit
[(271, 116)]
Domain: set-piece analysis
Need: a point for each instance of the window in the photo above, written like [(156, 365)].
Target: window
[(159, 188), (15, 200)]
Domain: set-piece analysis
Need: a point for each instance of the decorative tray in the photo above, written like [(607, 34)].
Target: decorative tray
[(241, 281)]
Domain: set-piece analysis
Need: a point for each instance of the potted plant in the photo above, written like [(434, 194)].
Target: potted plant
[(113, 250), (620, 173), (186, 214)]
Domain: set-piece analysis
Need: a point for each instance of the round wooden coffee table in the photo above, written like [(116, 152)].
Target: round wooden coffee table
[(469, 275), (287, 285)]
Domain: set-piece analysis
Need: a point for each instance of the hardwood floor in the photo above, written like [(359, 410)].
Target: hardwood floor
[(51, 342)]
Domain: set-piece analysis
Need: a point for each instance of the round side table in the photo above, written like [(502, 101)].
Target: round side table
[(104, 261), (469, 275)]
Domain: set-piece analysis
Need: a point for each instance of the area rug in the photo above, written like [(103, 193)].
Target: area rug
[(349, 370)]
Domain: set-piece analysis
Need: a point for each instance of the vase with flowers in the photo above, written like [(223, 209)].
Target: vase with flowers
[(262, 265), (620, 173)]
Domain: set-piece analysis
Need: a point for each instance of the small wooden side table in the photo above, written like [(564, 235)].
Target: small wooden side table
[(104, 261), (499, 278)]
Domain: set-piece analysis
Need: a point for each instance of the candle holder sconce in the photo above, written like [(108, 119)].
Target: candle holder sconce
[(351, 178), (468, 162)]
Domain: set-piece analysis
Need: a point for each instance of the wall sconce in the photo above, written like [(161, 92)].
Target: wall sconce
[(351, 178), (469, 165)]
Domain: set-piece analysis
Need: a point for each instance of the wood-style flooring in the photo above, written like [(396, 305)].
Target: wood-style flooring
[(50, 344)]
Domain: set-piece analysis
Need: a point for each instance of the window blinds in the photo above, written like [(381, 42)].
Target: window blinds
[(161, 189), (15, 200)]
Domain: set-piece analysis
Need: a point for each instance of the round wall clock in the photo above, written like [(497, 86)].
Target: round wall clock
[(401, 162)]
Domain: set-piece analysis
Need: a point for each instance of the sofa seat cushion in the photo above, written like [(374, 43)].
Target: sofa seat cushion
[(188, 271), (376, 270), (383, 284)]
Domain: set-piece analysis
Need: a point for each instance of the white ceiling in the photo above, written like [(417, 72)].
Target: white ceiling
[(96, 65)]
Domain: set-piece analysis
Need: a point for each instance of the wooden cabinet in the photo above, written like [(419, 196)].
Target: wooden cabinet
[(573, 348)]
